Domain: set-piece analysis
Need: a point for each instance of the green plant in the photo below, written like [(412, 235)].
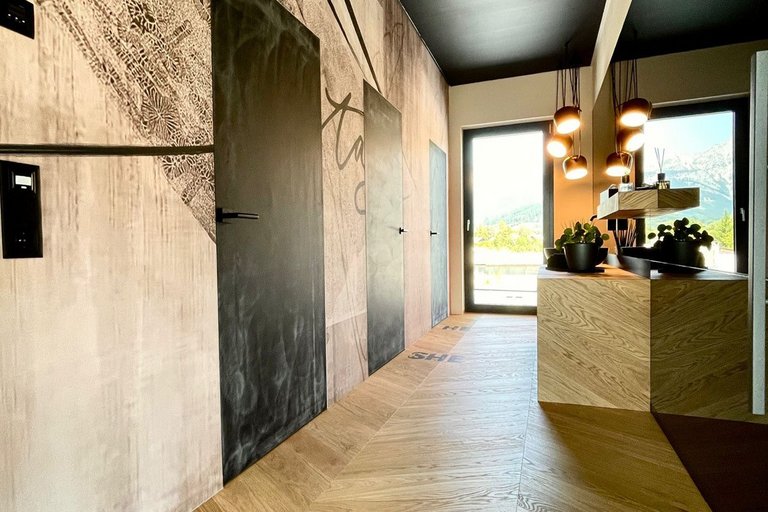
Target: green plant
[(585, 233), (722, 230), (681, 231)]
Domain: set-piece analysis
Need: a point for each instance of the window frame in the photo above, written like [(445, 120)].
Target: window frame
[(740, 108), (468, 136)]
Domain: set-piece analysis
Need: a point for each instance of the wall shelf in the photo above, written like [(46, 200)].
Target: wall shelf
[(648, 203)]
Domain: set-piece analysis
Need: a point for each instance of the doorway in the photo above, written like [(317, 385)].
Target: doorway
[(438, 232), (270, 267), (507, 216), (384, 229)]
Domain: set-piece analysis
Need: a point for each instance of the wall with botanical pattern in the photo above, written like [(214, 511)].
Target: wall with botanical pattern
[(109, 355)]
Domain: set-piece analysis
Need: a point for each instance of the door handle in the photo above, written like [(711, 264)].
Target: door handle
[(433, 233), (743, 214), (221, 215), (403, 230), (468, 225)]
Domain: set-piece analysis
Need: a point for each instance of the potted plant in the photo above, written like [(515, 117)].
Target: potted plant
[(581, 244), (681, 242)]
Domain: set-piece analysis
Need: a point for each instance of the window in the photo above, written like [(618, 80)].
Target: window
[(508, 210), (705, 146)]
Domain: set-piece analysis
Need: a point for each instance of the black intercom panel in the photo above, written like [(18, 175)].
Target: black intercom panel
[(19, 16), (20, 212)]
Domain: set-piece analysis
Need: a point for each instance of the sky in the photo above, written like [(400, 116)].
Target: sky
[(687, 135), (507, 173)]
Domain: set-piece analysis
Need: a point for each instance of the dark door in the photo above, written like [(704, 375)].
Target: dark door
[(438, 189), (268, 161), (384, 234)]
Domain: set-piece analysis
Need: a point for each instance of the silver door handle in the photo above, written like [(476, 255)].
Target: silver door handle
[(403, 230), (743, 214), (467, 225)]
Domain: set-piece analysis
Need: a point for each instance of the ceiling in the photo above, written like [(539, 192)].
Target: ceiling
[(657, 27), (477, 40)]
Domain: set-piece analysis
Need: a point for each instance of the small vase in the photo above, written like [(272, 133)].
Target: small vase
[(581, 257)]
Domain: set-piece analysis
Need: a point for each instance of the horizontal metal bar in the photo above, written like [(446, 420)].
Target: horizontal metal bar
[(100, 150), (222, 214)]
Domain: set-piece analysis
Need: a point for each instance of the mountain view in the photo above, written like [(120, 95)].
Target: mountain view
[(710, 170)]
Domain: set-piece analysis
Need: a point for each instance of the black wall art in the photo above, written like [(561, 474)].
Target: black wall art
[(267, 126), (384, 236), (438, 190)]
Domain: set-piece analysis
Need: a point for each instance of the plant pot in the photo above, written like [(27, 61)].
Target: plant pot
[(581, 257), (682, 253), (549, 251), (557, 262), (647, 253), (602, 254)]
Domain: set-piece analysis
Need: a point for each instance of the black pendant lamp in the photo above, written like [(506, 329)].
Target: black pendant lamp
[(575, 167), (567, 118), (634, 111), (618, 164), (559, 145)]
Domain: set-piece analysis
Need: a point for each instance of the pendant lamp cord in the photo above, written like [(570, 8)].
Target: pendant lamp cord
[(615, 98), (575, 92)]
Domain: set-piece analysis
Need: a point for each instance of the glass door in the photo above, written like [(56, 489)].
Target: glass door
[(508, 216)]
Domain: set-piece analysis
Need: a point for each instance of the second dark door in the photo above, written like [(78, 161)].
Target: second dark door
[(384, 229)]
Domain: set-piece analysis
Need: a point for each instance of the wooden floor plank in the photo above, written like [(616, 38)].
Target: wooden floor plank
[(466, 435)]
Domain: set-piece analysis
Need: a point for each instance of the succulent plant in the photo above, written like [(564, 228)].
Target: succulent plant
[(681, 231), (579, 233)]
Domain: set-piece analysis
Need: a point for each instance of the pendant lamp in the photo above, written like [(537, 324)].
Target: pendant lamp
[(618, 164), (558, 145), (575, 167)]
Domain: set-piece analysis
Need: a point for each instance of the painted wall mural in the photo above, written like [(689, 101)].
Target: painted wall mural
[(138, 73), (371, 41), (109, 372), (109, 357), (150, 59)]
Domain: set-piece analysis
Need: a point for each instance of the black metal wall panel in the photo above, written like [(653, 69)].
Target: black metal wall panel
[(438, 189), (384, 218), (268, 161)]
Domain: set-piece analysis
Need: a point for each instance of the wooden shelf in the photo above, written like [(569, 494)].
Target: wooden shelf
[(648, 203)]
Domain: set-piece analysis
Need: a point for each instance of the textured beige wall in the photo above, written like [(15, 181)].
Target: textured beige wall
[(109, 371), (109, 360), (109, 354), (508, 101)]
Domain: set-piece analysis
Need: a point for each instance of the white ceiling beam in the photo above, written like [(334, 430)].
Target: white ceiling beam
[(614, 15)]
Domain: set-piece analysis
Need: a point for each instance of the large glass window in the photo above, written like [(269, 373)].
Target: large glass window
[(700, 147), (506, 215)]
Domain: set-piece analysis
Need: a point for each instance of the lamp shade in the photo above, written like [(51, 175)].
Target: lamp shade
[(559, 145), (575, 167), (631, 139), (635, 112), (567, 120), (618, 164)]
